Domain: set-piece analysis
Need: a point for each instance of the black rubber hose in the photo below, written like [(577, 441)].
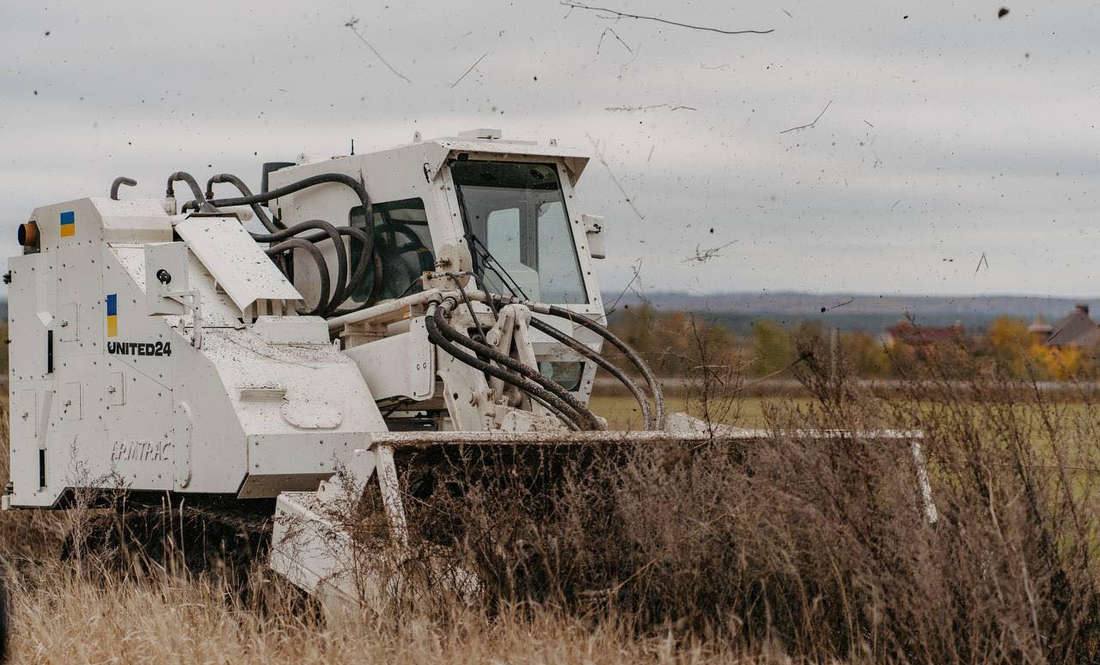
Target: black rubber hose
[(517, 381), (631, 354), (577, 411), (190, 180), (376, 288), (602, 331), (607, 365), (586, 418), (529, 388), (357, 278), (322, 269), (274, 226), (365, 260), (559, 407), (360, 268), (312, 181), (469, 307), (118, 182), (257, 210), (330, 232)]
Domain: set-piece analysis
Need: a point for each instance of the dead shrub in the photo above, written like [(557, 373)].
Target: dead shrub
[(820, 545)]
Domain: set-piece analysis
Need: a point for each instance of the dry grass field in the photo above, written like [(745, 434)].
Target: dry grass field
[(622, 411), (788, 550)]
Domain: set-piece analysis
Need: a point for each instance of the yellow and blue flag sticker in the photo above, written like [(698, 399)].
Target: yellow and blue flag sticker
[(68, 224), (112, 315)]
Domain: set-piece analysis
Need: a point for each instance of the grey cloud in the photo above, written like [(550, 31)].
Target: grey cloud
[(986, 150)]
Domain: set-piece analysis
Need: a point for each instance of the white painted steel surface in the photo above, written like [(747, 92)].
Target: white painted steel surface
[(236, 262), (110, 395)]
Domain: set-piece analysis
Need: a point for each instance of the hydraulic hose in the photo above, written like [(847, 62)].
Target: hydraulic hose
[(329, 231), (584, 418), (203, 204), (357, 278), (274, 226), (366, 238), (612, 338), (631, 354), (587, 419), (365, 260), (531, 389), (322, 269), (312, 181), (607, 365), (231, 179), (118, 182), (559, 407)]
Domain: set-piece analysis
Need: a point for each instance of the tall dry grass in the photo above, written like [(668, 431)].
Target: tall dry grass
[(790, 547), (818, 547)]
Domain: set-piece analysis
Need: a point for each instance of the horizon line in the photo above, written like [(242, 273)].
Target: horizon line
[(856, 294)]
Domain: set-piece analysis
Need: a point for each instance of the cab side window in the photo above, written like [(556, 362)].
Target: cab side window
[(403, 241)]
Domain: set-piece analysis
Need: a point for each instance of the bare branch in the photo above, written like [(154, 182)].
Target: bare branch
[(637, 268), (616, 36), (577, 5), (772, 375), (704, 255), (981, 261), (810, 125), (848, 301), (619, 185), (628, 109), (350, 25), (623, 67), (464, 74)]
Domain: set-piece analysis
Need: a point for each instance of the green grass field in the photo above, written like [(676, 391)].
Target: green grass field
[(622, 411)]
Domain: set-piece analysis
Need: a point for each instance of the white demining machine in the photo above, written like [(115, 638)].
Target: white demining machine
[(356, 312)]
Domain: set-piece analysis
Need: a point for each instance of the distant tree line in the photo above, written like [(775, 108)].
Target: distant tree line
[(677, 343)]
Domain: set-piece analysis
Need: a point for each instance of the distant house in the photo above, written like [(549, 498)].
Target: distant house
[(1077, 329), (905, 332), (1039, 330)]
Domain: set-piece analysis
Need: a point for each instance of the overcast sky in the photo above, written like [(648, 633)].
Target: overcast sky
[(949, 133)]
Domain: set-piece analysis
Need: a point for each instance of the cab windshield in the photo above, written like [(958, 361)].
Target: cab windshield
[(518, 230)]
